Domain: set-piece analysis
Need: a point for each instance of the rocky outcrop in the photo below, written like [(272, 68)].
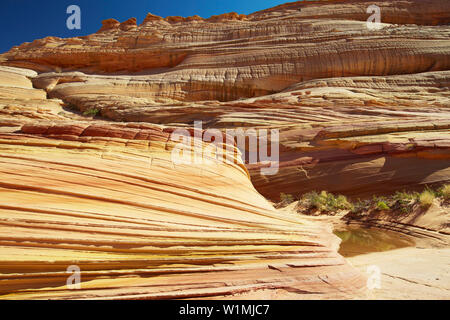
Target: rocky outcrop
[(233, 51)]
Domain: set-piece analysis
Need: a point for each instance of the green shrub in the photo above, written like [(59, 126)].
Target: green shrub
[(334, 203), (91, 112), (326, 201), (381, 205), (318, 201), (343, 204)]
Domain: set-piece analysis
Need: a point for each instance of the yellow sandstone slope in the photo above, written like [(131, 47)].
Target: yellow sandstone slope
[(140, 227)]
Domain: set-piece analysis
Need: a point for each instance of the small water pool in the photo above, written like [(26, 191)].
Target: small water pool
[(356, 241)]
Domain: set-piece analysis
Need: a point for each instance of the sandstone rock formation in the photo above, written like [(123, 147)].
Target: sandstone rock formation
[(304, 72), (359, 112), (107, 197)]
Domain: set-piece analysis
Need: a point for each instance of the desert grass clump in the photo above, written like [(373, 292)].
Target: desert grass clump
[(445, 191), (426, 198)]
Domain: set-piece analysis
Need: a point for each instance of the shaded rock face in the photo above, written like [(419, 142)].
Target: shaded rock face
[(359, 112)]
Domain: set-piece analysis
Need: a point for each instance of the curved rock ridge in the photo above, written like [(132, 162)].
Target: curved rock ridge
[(140, 227)]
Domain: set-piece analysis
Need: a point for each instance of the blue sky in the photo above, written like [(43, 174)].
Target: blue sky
[(27, 20)]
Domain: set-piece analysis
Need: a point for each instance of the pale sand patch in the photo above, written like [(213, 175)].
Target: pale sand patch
[(409, 273)]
